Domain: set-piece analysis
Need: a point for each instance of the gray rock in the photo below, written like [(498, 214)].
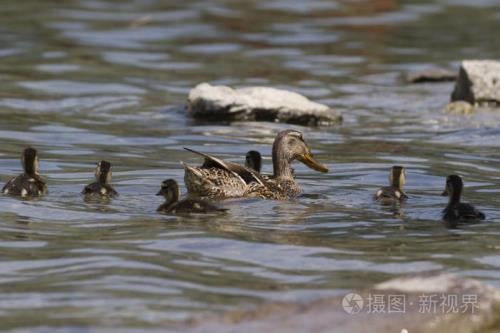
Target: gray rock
[(257, 103), (424, 296), (431, 75), (478, 83)]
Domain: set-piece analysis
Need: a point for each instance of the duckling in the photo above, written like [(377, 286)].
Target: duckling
[(102, 184), (253, 160), (457, 211), (394, 192), (28, 183), (170, 190)]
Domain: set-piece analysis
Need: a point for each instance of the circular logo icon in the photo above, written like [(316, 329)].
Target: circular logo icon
[(352, 303)]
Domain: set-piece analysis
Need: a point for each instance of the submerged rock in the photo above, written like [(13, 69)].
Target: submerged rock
[(478, 83), (431, 75), (459, 108), (257, 103), (418, 303)]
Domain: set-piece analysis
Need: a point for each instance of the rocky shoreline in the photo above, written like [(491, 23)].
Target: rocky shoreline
[(423, 303)]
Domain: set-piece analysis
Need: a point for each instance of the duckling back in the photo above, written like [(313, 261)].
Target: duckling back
[(462, 212), (389, 193), (190, 206), (99, 189), (25, 185)]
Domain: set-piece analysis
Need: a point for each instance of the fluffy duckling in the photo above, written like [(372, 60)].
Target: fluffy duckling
[(457, 211), (28, 183), (170, 190), (394, 192), (253, 160), (102, 185)]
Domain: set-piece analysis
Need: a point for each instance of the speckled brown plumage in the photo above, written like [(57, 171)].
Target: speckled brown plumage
[(213, 182), (277, 189), (26, 186)]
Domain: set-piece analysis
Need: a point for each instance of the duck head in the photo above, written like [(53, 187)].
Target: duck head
[(103, 172), (169, 190), (30, 161), (397, 176), (253, 160), (290, 145), (453, 189)]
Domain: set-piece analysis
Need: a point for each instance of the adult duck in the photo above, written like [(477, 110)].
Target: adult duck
[(217, 178)]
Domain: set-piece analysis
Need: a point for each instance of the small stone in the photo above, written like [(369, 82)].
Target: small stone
[(478, 83), (431, 75), (459, 108), (257, 104)]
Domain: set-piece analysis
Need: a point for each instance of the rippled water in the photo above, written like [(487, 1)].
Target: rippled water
[(90, 80)]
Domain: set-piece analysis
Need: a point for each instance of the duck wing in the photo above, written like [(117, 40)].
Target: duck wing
[(469, 212), (247, 174), (7, 187), (462, 212)]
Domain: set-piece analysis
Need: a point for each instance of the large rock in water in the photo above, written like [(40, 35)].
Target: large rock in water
[(478, 83), (257, 103), (422, 303)]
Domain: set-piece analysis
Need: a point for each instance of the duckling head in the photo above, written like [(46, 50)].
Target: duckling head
[(30, 161), (103, 172), (397, 176), (170, 190), (288, 146), (454, 186), (253, 160)]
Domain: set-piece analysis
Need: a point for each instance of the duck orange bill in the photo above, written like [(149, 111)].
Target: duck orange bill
[(308, 160)]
